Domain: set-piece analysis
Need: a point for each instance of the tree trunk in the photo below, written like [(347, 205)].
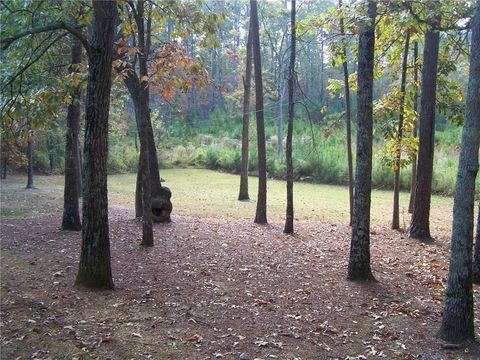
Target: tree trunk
[(144, 120), (94, 268), (281, 93), (243, 195), (53, 160), (30, 184), (458, 316), (321, 75), (79, 168), (71, 214), (415, 129), (261, 213), (291, 108), (420, 225), (359, 263), (4, 169), (476, 257), (348, 114), (398, 145)]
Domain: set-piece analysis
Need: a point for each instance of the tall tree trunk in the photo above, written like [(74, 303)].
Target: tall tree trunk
[(79, 168), (458, 316), (398, 145), (415, 129), (476, 257), (281, 94), (243, 195), (71, 214), (30, 184), (261, 213), (94, 269), (144, 121), (321, 80), (359, 263), (348, 114), (291, 108), (420, 225)]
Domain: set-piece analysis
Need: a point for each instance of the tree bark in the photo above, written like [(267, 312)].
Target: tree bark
[(243, 195), (348, 115), (415, 129), (291, 112), (30, 184), (4, 169), (458, 315), (94, 268), (476, 257), (398, 145), (420, 225), (359, 263), (71, 214), (79, 168), (144, 120), (261, 212)]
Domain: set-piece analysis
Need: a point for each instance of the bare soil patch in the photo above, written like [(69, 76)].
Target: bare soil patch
[(217, 288)]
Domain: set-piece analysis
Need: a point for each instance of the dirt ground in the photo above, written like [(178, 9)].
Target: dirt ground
[(222, 289)]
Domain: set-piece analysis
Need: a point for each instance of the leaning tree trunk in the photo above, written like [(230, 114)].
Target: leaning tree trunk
[(30, 184), (420, 225), (243, 195), (476, 257), (348, 114), (94, 268), (458, 316), (71, 214), (261, 213), (415, 129), (359, 263), (398, 140), (291, 108)]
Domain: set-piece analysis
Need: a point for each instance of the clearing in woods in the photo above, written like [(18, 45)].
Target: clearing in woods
[(216, 285)]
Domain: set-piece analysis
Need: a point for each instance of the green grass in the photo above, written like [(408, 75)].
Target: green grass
[(207, 193)]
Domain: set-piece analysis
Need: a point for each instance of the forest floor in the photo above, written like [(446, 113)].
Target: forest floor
[(219, 287)]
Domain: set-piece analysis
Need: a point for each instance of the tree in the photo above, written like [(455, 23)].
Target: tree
[(415, 129), (71, 214), (94, 268), (291, 108), (348, 113), (359, 263), (420, 224), (138, 88), (261, 213), (398, 145), (458, 315), (476, 258), (243, 195), (30, 184)]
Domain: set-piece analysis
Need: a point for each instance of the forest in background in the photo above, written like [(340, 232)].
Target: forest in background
[(200, 125)]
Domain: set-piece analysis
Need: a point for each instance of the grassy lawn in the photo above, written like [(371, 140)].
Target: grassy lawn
[(207, 193)]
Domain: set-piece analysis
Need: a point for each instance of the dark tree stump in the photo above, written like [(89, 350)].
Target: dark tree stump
[(161, 205)]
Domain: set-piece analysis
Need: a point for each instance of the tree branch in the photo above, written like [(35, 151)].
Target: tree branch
[(5, 43)]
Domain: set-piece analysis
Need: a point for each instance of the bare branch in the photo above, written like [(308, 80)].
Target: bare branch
[(5, 43)]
